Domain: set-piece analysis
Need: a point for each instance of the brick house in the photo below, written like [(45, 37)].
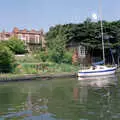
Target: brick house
[(33, 39)]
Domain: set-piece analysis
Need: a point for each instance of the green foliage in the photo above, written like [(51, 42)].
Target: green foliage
[(6, 59), (87, 33), (67, 58), (42, 56), (56, 49), (55, 56), (16, 45), (49, 67), (62, 32)]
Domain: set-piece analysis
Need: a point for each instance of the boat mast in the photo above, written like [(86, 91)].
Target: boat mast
[(101, 25)]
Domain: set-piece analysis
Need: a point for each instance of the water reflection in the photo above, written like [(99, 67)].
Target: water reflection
[(85, 84), (61, 99), (98, 81), (33, 108), (97, 94)]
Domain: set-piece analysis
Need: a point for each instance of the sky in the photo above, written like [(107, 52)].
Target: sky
[(37, 14)]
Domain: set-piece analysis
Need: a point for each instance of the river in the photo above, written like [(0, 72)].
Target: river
[(61, 99)]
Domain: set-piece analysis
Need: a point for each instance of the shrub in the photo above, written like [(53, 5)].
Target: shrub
[(55, 56), (42, 56), (67, 58), (6, 59), (56, 49), (17, 46)]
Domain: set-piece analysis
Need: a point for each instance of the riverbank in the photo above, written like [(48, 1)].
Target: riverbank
[(40, 71), (42, 76)]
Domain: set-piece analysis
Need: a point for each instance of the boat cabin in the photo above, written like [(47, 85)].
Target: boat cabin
[(98, 67)]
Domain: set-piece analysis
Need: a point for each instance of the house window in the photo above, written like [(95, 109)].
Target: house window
[(81, 51)]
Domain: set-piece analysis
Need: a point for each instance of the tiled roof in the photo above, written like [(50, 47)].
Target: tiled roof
[(25, 31)]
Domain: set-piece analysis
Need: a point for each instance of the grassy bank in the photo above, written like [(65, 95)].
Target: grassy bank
[(28, 65), (37, 68), (33, 71)]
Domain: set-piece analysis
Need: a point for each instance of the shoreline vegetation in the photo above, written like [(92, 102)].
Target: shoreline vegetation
[(41, 76), (29, 68), (58, 55), (28, 64)]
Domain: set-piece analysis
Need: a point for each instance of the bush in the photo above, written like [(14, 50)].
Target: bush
[(17, 46), (42, 56), (6, 59), (55, 56), (67, 58), (56, 49)]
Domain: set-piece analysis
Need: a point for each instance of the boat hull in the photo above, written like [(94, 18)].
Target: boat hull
[(103, 72)]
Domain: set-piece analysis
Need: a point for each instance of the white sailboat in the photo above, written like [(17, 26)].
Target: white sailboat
[(97, 69)]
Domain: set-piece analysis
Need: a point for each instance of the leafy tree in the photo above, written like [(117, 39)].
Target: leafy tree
[(88, 34), (67, 58), (56, 49), (16, 45), (42, 56), (6, 59)]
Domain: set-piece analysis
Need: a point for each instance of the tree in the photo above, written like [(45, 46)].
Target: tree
[(6, 59), (57, 49), (88, 34), (17, 46), (67, 58)]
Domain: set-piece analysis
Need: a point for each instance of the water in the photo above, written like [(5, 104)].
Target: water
[(61, 99)]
